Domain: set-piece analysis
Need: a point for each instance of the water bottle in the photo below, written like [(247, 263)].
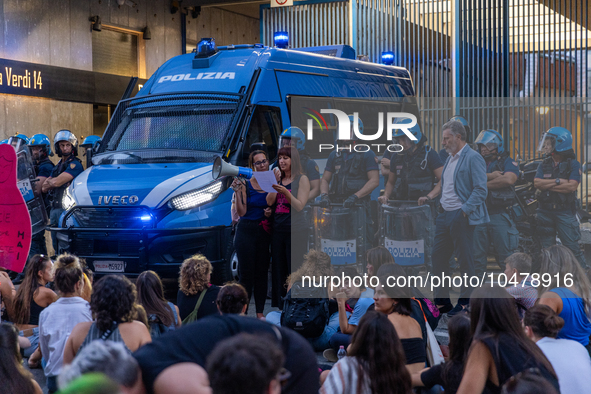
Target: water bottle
[(342, 353)]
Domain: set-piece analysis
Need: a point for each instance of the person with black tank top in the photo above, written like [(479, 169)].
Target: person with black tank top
[(253, 232), (396, 303), (290, 230), (500, 348), (31, 298)]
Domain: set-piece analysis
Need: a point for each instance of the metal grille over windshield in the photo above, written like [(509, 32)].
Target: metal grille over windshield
[(198, 122)]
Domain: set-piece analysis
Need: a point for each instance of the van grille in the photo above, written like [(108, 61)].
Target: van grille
[(110, 217)]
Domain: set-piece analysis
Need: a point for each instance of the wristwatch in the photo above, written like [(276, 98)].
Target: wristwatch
[(558, 181)]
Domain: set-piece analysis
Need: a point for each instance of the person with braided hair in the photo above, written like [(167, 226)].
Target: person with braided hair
[(113, 306)]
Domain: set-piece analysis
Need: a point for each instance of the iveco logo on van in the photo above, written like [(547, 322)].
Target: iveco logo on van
[(117, 200), (188, 77)]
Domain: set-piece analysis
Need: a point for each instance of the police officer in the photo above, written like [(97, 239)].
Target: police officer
[(352, 175), (294, 136), (443, 155), (40, 146), (557, 179), (69, 167), (501, 173), (89, 143), (414, 170)]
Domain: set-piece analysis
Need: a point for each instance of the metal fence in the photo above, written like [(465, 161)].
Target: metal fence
[(516, 66)]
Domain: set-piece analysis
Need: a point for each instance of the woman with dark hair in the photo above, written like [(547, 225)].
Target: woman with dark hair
[(572, 302), (57, 321), (375, 362), (232, 299), (500, 349), (290, 231), (14, 377), (253, 236), (449, 374), (163, 316), (377, 257), (569, 358), (395, 302), (31, 298), (194, 284), (113, 307)]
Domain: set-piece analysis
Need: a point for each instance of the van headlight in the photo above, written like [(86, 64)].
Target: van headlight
[(197, 197), (68, 200)]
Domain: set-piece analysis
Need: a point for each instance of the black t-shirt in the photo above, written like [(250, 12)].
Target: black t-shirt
[(194, 342), (186, 303), (435, 375)]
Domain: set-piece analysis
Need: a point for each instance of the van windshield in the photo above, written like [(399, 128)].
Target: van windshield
[(161, 132)]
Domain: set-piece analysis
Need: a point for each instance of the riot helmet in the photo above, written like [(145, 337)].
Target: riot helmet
[(67, 136), (464, 123), (492, 140), (292, 136), (90, 141), (42, 141), (415, 130), (556, 139), (4, 141), (18, 141)]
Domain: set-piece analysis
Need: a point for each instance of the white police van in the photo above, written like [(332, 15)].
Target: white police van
[(149, 200)]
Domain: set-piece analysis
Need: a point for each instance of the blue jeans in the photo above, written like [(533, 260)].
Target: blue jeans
[(34, 339), (453, 234), (565, 225), (339, 339), (503, 233), (320, 343), (54, 218)]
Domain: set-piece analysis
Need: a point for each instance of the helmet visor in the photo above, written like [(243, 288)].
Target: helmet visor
[(286, 141), (488, 140), (18, 143), (547, 144)]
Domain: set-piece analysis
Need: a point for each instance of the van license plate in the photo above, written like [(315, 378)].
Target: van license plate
[(109, 266)]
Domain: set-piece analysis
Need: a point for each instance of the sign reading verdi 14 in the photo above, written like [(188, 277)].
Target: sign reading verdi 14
[(26, 80), (59, 83)]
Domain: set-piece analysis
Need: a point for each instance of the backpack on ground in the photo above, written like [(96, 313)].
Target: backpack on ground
[(305, 310)]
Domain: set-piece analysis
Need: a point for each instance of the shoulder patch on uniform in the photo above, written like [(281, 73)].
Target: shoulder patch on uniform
[(317, 169), (72, 166), (376, 159), (514, 163), (580, 172)]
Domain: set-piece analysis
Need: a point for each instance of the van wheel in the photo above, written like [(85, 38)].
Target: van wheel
[(228, 270)]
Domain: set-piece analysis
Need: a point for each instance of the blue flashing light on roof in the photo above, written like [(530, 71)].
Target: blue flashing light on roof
[(206, 47), (281, 39), (388, 58)]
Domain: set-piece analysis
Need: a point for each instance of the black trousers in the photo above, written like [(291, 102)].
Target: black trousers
[(287, 249), (251, 242)]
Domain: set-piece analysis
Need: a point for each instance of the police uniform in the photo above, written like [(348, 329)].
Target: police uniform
[(556, 213), (414, 171), (349, 171), (309, 166), (43, 168), (72, 166), (501, 229)]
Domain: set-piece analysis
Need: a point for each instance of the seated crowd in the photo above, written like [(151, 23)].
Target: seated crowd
[(114, 336)]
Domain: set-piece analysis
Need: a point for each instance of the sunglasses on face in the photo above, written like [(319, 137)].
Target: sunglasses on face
[(260, 163)]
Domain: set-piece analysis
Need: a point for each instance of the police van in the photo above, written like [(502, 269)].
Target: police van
[(149, 200)]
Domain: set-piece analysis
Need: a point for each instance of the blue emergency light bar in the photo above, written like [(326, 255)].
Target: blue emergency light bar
[(206, 47), (281, 39), (388, 58)]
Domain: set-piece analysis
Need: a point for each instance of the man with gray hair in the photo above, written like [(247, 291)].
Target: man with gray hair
[(107, 357), (463, 196)]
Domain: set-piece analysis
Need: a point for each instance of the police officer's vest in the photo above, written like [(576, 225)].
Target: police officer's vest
[(414, 178), (500, 198), (57, 194), (553, 200), (349, 177)]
